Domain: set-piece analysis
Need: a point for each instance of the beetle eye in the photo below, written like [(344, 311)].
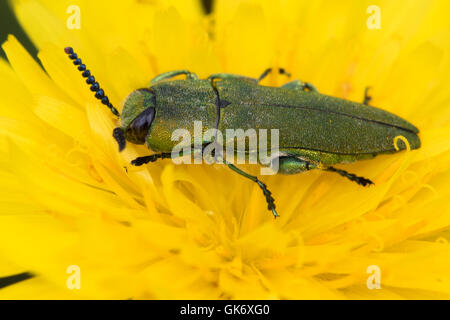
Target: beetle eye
[(138, 129)]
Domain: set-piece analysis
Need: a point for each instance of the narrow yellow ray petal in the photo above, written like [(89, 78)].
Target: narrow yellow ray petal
[(33, 77)]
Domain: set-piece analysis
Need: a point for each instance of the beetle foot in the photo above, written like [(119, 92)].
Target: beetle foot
[(270, 200), (353, 177), (152, 158), (364, 182)]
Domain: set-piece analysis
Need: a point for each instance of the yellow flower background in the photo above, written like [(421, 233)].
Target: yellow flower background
[(163, 231)]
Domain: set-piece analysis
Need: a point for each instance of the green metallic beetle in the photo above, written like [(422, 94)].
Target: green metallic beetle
[(316, 130)]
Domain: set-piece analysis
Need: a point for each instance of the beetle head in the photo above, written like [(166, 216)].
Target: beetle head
[(138, 111), (137, 116)]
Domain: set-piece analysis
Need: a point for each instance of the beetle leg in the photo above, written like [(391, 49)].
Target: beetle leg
[(269, 70), (293, 165), (270, 200), (152, 158), (367, 98), (224, 76), (171, 74), (353, 177), (300, 85), (165, 155), (236, 76)]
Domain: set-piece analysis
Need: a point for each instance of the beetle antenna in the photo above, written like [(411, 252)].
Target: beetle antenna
[(99, 93)]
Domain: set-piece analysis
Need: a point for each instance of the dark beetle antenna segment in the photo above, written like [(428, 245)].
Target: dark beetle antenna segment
[(99, 93)]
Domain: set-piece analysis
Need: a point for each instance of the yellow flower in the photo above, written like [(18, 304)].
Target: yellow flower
[(203, 232)]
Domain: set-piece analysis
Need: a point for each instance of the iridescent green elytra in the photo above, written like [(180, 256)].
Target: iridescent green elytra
[(316, 131)]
